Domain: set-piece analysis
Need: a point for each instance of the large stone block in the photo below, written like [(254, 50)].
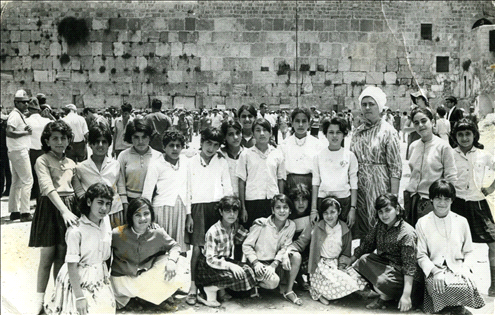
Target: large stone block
[(141, 62), (23, 49), (118, 49), (15, 36), (344, 64), (354, 77), (96, 76), (252, 24), (390, 77), (43, 76), (334, 77), (174, 76), (100, 24), (160, 23), (264, 77), (374, 77), (176, 49), (25, 36), (79, 76), (118, 23), (162, 49)]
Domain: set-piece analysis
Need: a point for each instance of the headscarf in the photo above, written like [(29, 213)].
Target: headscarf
[(377, 94)]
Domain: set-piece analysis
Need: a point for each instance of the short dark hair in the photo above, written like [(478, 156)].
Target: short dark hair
[(386, 200), (452, 99), (263, 123), (97, 130), (339, 121), (229, 203), (54, 126), (467, 124), (87, 110), (98, 190), (282, 198), (424, 110), (156, 104), (250, 108), (441, 188), (441, 111), (300, 110), (134, 206), (173, 135), (211, 134), (327, 203), (126, 107), (137, 125)]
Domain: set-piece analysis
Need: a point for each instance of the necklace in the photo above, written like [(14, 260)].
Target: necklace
[(300, 142), (445, 226)]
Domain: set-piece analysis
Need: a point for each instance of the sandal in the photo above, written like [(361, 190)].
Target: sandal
[(324, 301), (295, 299), (377, 304), (254, 293), (191, 299)]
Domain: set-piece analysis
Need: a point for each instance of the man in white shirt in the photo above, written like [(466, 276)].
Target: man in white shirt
[(18, 142), (38, 123), (80, 130)]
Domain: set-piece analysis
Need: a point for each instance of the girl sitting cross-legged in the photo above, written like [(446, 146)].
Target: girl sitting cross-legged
[(216, 270)]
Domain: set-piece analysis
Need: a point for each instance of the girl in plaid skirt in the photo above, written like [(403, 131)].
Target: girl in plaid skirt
[(216, 270)]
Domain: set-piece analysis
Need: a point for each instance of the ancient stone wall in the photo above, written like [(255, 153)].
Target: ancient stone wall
[(207, 53)]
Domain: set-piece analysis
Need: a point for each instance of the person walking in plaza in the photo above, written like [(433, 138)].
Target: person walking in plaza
[(5, 174), (377, 149), (119, 143), (431, 159), (159, 123), (443, 125), (38, 123), (56, 207), (77, 151), (18, 142), (472, 165)]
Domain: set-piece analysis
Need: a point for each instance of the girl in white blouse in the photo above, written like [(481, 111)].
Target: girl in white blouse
[(171, 177), (444, 251)]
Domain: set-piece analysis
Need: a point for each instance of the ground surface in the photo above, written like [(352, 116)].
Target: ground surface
[(19, 266)]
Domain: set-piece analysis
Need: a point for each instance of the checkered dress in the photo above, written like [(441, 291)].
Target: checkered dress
[(212, 264)]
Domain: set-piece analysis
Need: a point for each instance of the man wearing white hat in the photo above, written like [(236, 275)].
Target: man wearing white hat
[(80, 129), (18, 143)]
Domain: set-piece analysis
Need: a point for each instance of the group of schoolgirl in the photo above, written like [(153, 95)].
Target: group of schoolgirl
[(193, 209)]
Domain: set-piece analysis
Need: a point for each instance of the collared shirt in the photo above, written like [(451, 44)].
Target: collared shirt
[(265, 242), (37, 123), (261, 172), (299, 153), (219, 244), (55, 174), (77, 124), (88, 174), (332, 245), (209, 182), (17, 120), (397, 244), (135, 167), (443, 241), (160, 123), (428, 162), (471, 171), (133, 253), (171, 181), (120, 144), (335, 172), (87, 242)]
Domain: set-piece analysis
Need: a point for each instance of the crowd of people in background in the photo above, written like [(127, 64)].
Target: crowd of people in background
[(270, 200)]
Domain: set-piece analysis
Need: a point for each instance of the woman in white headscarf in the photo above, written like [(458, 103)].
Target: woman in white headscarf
[(377, 148)]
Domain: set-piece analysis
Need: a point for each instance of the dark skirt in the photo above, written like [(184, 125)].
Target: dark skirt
[(294, 179), (208, 276), (479, 217), (386, 278), (416, 207), (413, 136), (257, 209), (48, 226), (204, 215)]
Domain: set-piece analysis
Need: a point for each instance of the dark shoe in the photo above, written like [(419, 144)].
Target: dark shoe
[(26, 217), (15, 216), (459, 310), (491, 291), (191, 299), (377, 304)]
